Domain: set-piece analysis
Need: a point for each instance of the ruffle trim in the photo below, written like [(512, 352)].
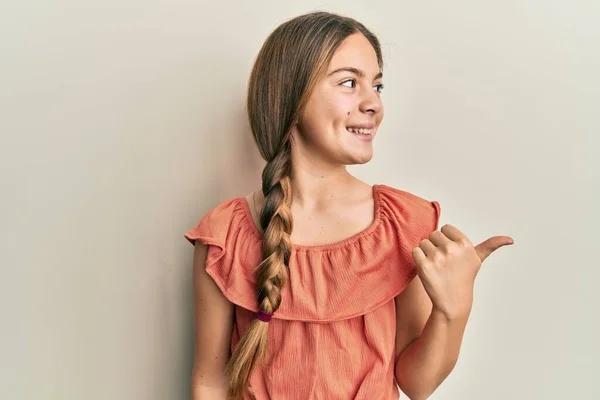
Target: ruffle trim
[(328, 282)]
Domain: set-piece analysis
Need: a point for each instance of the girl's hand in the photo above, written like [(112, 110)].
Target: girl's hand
[(447, 264)]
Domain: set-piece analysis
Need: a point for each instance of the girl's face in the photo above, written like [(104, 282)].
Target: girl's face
[(344, 110)]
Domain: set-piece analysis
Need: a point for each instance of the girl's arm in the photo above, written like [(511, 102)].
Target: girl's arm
[(213, 325), (427, 342), (447, 264)]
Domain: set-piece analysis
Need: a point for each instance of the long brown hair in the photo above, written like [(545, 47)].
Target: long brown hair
[(292, 59)]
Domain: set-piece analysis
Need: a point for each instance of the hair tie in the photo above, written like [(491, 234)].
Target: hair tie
[(264, 317)]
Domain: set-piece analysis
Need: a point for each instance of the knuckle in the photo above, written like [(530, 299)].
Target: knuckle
[(438, 257), (453, 247)]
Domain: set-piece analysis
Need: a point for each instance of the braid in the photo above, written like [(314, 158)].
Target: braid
[(271, 274)]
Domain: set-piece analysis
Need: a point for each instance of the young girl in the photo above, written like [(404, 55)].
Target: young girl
[(321, 286)]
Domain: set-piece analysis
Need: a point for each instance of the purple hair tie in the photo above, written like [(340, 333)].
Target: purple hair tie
[(264, 317)]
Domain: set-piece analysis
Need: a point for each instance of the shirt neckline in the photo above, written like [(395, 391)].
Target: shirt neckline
[(322, 247)]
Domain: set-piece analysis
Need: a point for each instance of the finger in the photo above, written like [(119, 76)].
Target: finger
[(439, 239), (487, 247), (454, 234), (428, 247), (419, 256)]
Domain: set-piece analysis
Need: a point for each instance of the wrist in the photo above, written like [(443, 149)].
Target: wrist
[(448, 315)]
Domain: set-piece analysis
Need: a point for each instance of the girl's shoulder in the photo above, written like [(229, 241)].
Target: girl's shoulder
[(409, 210)]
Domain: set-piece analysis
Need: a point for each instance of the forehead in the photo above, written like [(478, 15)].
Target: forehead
[(355, 51)]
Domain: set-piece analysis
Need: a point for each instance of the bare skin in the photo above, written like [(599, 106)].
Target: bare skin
[(338, 217), (213, 326)]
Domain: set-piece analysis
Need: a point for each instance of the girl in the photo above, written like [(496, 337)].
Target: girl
[(321, 286)]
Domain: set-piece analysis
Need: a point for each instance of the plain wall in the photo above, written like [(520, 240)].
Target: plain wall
[(123, 122)]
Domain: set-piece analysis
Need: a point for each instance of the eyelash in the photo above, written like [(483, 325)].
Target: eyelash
[(381, 86)]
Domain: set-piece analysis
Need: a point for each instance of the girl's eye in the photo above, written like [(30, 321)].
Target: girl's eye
[(349, 80), (379, 86)]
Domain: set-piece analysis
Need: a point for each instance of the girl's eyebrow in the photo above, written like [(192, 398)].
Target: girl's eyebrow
[(355, 71)]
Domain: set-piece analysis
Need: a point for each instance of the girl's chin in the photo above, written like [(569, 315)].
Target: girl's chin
[(359, 157)]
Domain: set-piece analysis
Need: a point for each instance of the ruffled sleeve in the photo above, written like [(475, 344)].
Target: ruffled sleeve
[(233, 252), (413, 217), (212, 230)]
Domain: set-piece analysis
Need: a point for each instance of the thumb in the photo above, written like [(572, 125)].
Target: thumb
[(485, 248)]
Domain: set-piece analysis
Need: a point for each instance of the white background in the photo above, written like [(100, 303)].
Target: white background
[(123, 122)]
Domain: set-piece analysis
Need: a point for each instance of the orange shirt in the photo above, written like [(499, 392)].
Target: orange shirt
[(333, 336)]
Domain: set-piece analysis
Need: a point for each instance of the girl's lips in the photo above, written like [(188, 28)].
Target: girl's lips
[(364, 126)]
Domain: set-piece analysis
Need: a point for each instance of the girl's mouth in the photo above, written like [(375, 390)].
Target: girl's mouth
[(361, 133)]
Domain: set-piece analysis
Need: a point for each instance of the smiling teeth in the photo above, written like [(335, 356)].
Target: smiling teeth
[(359, 131)]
